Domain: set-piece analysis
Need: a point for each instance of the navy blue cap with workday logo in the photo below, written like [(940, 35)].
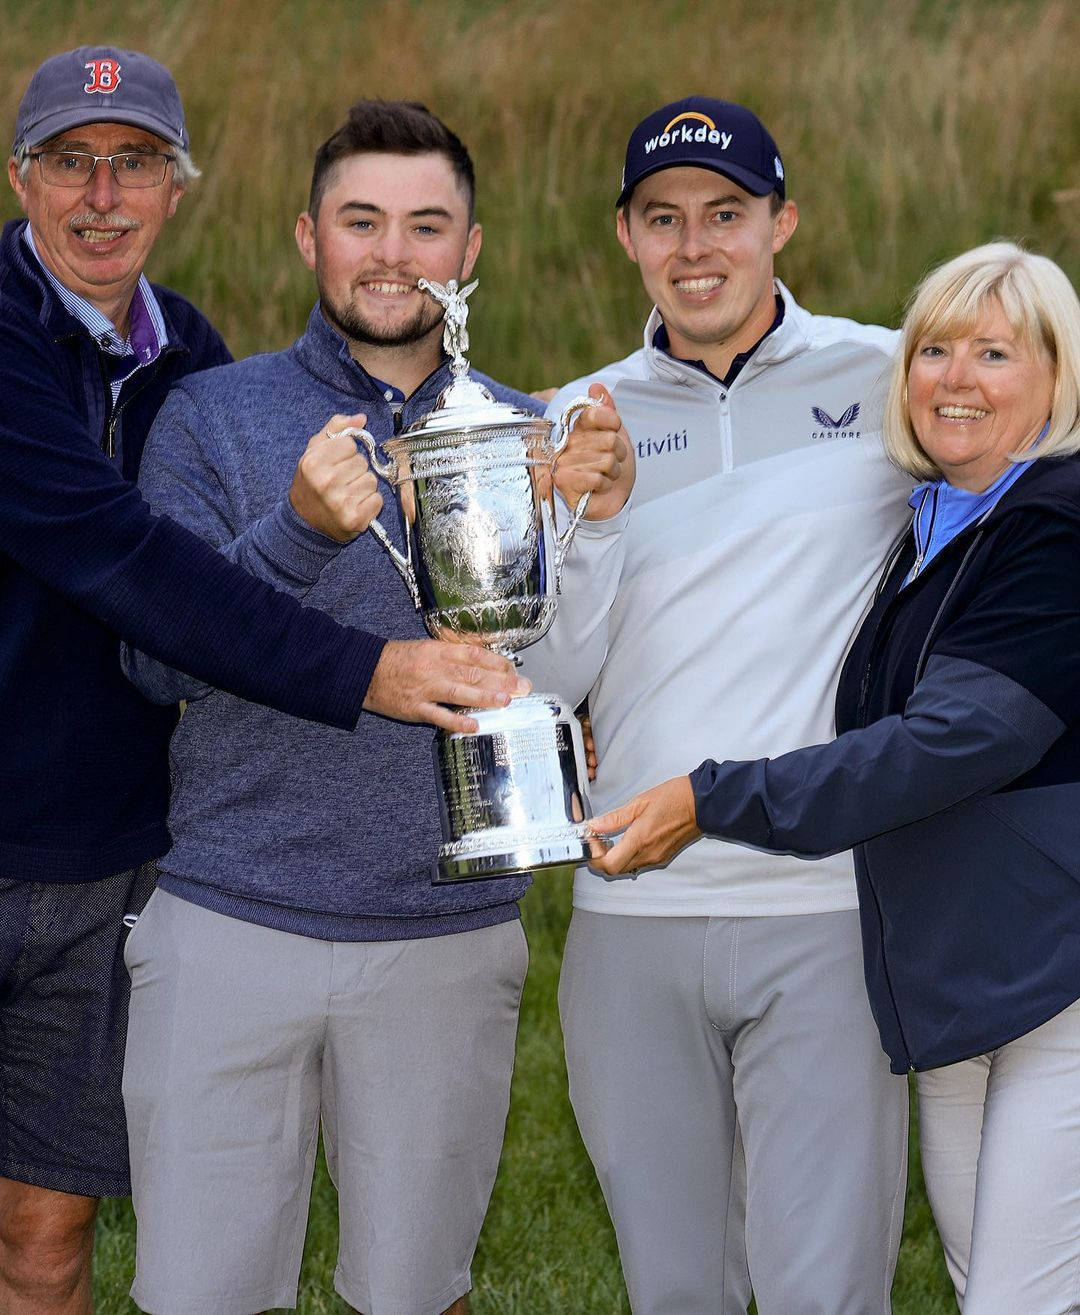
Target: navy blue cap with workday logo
[(707, 134), (100, 84)]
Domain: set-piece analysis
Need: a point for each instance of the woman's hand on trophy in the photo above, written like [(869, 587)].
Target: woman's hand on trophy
[(598, 458), (655, 825), (415, 678), (334, 489)]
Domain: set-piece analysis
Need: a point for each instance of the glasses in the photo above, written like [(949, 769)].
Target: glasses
[(129, 168)]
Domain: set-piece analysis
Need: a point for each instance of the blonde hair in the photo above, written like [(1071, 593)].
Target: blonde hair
[(1042, 309)]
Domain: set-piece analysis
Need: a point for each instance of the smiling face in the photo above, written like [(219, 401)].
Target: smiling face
[(705, 249), (977, 397), (385, 221), (96, 239)]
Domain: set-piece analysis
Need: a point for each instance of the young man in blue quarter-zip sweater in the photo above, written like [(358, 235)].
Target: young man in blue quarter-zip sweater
[(88, 350), (296, 964)]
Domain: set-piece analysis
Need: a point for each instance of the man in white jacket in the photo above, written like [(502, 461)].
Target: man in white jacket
[(724, 1068)]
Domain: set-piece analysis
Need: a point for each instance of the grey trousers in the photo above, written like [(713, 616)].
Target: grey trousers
[(732, 1093), (1000, 1138)]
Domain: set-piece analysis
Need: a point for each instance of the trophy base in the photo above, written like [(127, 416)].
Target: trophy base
[(512, 793), (509, 853)]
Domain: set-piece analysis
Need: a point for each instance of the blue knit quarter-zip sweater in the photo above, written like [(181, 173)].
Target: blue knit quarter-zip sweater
[(83, 767), (957, 778), (274, 820)]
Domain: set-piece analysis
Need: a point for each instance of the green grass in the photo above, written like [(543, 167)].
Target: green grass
[(547, 1247)]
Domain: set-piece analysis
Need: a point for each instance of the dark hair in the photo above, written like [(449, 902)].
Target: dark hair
[(391, 127)]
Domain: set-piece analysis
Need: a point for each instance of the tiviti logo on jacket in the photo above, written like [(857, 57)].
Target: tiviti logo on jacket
[(675, 441), (706, 131), (841, 428)]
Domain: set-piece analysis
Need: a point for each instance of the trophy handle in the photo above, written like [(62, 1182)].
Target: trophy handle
[(566, 422), (387, 470)]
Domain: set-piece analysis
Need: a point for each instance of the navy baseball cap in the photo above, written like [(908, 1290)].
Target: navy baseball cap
[(706, 134), (100, 84)]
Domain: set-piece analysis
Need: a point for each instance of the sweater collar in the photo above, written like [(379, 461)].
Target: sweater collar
[(324, 352)]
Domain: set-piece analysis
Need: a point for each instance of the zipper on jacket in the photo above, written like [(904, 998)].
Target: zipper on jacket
[(922, 546), (888, 982), (108, 436), (108, 439), (924, 655)]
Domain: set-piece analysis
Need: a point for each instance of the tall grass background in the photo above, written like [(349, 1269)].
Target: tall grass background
[(910, 131)]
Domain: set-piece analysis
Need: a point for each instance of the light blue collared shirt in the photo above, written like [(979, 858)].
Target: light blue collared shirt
[(942, 510)]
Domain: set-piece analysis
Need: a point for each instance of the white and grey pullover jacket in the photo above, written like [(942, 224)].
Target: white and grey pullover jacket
[(709, 619)]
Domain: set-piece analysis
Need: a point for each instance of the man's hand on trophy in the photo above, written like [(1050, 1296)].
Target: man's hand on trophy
[(655, 826), (334, 488), (415, 678), (589, 742), (598, 458)]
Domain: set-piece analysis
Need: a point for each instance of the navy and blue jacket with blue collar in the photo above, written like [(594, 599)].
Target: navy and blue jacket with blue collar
[(83, 757), (956, 777)]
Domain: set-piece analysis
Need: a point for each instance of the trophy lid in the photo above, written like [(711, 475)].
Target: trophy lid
[(466, 405)]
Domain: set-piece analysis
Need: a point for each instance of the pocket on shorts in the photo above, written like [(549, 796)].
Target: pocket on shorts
[(135, 946), (520, 960)]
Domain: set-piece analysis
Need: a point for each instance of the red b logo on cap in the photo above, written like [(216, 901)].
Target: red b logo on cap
[(104, 76)]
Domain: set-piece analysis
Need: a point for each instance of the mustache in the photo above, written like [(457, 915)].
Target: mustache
[(114, 219)]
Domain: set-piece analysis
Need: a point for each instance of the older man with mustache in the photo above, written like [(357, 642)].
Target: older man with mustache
[(88, 350)]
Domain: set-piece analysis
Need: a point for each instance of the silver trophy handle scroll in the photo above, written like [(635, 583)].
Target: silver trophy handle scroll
[(386, 470), (570, 413)]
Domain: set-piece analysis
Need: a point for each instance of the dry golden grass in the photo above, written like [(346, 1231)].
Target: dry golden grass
[(909, 133)]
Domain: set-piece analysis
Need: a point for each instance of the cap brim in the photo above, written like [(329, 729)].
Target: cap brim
[(746, 179), (64, 120)]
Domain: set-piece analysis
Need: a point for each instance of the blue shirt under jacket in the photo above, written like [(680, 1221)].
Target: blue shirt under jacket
[(276, 821), (83, 757), (956, 776)]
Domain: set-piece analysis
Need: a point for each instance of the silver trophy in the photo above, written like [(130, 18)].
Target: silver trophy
[(475, 486)]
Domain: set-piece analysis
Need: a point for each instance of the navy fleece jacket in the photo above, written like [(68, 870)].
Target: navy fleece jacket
[(83, 769)]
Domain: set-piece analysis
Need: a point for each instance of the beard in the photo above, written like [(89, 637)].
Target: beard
[(352, 325)]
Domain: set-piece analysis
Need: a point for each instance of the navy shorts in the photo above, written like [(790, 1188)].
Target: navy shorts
[(63, 1023)]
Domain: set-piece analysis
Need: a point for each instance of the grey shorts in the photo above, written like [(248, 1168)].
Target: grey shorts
[(63, 1016), (242, 1037)]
